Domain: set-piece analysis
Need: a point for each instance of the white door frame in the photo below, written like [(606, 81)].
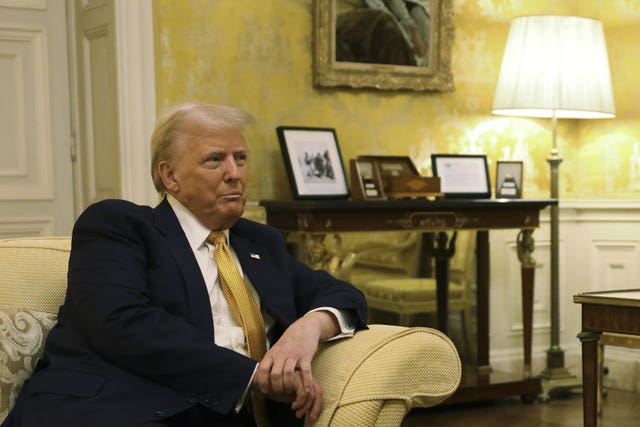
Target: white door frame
[(136, 97)]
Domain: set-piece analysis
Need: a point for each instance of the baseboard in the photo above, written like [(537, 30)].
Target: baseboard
[(622, 365)]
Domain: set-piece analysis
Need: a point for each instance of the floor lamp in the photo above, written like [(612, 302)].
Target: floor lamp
[(555, 67)]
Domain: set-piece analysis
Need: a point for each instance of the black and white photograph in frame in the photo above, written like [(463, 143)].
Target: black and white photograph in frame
[(313, 162), (508, 179)]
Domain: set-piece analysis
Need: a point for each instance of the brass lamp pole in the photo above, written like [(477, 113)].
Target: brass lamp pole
[(555, 355)]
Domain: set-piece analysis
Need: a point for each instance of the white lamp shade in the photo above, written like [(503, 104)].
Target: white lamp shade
[(555, 65)]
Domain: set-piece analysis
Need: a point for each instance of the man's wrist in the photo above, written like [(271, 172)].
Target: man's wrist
[(329, 326)]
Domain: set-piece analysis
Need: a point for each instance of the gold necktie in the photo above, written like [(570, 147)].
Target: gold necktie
[(245, 310)]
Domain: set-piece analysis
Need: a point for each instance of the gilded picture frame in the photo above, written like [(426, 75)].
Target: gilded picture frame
[(339, 61)]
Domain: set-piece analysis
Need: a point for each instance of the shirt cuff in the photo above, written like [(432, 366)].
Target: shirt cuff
[(345, 319)]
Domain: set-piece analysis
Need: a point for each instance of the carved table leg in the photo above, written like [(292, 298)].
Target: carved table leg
[(590, 376), (318, 256), (526, 245), (482, 277), (442, 254)]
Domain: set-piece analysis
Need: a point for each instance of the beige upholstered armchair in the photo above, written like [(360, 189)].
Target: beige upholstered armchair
[(372, 379)]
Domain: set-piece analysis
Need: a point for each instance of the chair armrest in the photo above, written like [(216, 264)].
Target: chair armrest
[(375, 377)]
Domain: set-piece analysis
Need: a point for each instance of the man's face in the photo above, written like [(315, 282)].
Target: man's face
[(208, 175)]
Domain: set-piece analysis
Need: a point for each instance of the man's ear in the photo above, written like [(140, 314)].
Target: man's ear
[(167, 173)]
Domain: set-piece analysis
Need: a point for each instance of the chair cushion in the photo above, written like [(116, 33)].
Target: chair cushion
[(23, 333)]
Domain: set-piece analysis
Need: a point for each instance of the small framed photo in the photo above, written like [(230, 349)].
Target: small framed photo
[(462, 175), (390, 168), (313, 162), (365, 180), (508, 179)]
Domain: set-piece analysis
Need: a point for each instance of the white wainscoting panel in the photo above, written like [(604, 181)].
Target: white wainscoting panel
[(25, 4), (615, 265), (92, 4), (599, 250), (26, 164), (26, 227)]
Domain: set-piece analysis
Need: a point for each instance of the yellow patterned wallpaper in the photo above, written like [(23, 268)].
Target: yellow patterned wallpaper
[(257, 55)]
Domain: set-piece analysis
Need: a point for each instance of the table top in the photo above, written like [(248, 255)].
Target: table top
[(621, 297), (332, 215), (407, 203)]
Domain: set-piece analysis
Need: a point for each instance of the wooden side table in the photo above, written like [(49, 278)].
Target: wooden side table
[(479, 382), (613, 312)]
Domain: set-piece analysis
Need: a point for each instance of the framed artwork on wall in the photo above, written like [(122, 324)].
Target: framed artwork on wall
[(462, 175), (508, 179), (401, 45), (313, 162)]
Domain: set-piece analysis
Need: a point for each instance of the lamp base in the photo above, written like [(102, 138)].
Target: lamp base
[(559, 387), (556, 380), (555, 358)]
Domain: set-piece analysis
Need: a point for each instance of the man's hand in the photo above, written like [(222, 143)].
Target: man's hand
[(285, 371), (302, 403)]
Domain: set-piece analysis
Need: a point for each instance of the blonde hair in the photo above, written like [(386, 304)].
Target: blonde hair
[(190, 119)]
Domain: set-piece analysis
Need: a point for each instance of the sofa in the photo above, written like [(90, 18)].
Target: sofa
[(372, 379)]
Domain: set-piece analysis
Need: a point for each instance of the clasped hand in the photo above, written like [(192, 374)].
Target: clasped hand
[(285, 373)]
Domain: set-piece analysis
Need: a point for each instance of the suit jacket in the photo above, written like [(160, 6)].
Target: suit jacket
[(134, 339)]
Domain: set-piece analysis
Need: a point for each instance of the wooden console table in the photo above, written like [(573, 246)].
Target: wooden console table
[(334, 216), (610, 311)]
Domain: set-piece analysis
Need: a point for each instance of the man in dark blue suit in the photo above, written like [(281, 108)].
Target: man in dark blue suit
[(146, 336)]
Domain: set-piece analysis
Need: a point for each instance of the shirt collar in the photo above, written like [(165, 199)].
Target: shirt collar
[(195, 231)]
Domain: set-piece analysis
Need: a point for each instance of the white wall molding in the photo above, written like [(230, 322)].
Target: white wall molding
[(600, 204), (603, 210)]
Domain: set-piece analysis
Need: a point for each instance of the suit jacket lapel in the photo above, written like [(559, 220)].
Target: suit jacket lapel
[(256, 264), (178, 245)]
